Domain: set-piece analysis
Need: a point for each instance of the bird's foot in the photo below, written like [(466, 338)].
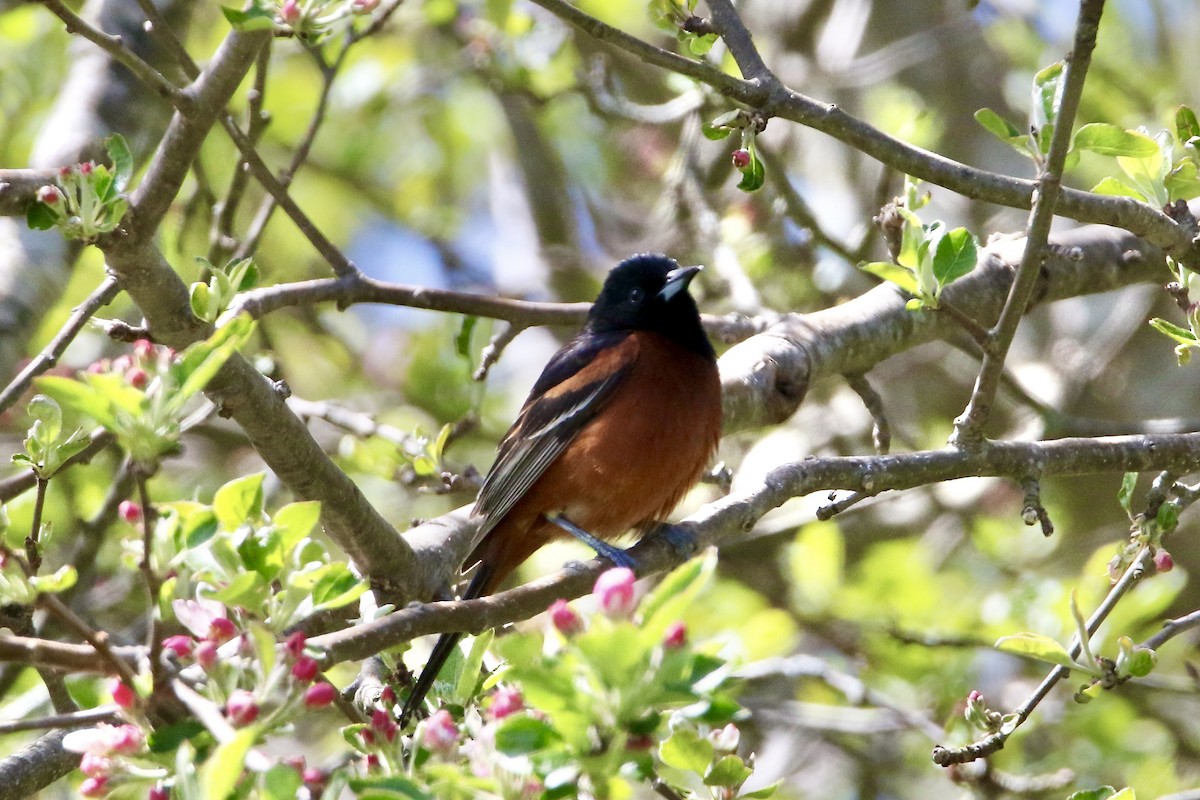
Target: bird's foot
[(614, 554), (680, 538)]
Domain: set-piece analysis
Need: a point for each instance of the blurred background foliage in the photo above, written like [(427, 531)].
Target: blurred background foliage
[(482, 146)]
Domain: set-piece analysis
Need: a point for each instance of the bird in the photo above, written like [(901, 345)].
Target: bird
[(622, 422)]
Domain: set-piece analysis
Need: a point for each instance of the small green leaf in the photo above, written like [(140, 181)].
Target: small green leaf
[(252, 19), (667, 602), (1102, 793), (240, 501), (996, 125), (295, 521), (894, 273), (468, 674), (219, 775), (520, 734), (1182, 335), (687, 750), (1125, 493), (462, 342), (1113, 140), (1186, 124), (39, 217), (281, 782), (122, 160), (201, 362), (1116, 187), (62, 579), (763, 793), (198, 299), (168, 739), (730, 772), (1183, 181), (393, 787), (754, 176), (1035, 645), (1167, 516), (954, 256), (336, 587), (1047, 87)]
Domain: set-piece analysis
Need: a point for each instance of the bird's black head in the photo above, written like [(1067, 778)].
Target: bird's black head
[(649, 293)]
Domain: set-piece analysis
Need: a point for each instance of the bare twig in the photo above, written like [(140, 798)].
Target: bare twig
[(968, 428), (48, 358)]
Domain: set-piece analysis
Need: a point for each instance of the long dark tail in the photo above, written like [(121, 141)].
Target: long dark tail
[(480, 585)]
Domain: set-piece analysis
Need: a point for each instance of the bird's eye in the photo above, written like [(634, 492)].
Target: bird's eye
[(636, 295)]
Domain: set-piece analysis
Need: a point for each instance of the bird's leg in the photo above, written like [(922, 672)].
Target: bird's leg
[(602, 548)]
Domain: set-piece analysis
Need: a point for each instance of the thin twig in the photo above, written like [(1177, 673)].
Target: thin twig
[(968, 428), (48, 358), (76, 719), (115, 47)]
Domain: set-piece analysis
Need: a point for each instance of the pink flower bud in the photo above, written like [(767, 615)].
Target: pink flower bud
[(383, 724), (130, 512), (87, 168), (1163, 561), (206, 654), (372, 762), (305, 669), (137, 378), (388, 696), (221, 630), (363, 6), (741, 158), (50, 195), (975, 696), (564, 618), (319, 695), (99, 367), (441, 732), (313, 777), (127, 739), (182, 646), (506, 700), (294, 645), (94, 787), (95, 766), (242, 708), (159, 792), (289, 12), (641, 742), (122, 364), (123, 696), (64, 172), (614, 592), (675, 636), (143, 348)]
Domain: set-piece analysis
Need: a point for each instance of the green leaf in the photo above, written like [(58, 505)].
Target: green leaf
[(667, 602), (82, 398), (1116, 187), (754, 176), (462, 342), (198, 298), (954, 256), (687, 750), (1125, 493), (122, 160), (520, 734), (40, 217), (1170, 329), (246, 589), (730, 772), (1047, 87), (202, 361), (1113, 140), (168, 739), (763, 793), (1186, 124), (337, 587), (393, 786), (1035, 645), (220, 773), (240, 501), (296, 521), (62, 579), (996, 125), (1183, 181), (281, 782), (893, 273), (1167, 516), (1102, 793), (253, 19), (468, 673)]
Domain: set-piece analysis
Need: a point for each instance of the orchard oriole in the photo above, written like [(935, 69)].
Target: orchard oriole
[(621, 423)]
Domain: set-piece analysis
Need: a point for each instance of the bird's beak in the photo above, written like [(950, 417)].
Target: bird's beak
[(677, 281)]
